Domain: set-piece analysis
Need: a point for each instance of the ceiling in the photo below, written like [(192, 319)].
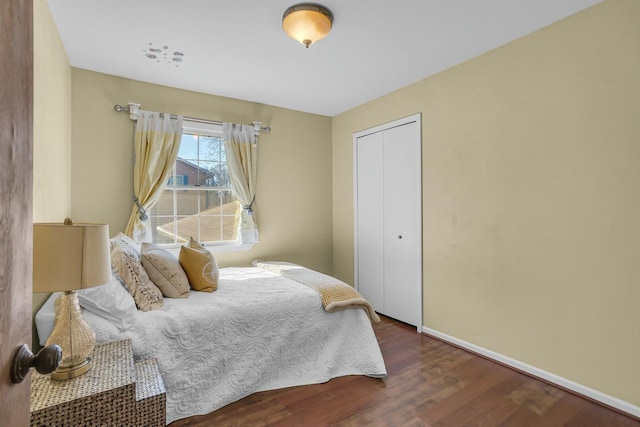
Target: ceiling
[(237, 49)]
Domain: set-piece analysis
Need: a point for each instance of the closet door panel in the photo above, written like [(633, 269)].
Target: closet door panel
[(369, 218), (401, 213)]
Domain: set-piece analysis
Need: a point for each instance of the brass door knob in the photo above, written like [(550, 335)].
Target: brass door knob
[(46, 361)]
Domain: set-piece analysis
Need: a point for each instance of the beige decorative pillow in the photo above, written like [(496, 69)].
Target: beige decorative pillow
[(200, 266), (125, 261), (165, 271)]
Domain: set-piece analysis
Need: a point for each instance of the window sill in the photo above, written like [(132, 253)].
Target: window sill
[(243, 247), (175, 250)]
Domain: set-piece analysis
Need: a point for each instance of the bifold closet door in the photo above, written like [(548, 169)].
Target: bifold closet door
[(401, 213), (370, 219), (388, 220)]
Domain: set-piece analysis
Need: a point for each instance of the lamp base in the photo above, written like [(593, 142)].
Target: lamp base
[(68, 372), (74, 336)]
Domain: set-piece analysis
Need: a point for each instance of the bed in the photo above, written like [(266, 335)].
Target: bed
[(258, 331)]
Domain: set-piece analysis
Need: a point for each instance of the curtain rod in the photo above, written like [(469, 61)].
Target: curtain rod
[(133, 109)]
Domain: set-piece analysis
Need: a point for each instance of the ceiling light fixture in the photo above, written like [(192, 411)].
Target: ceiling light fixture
[(307, 23)]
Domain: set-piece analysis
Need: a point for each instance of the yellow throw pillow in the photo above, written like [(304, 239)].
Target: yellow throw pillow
[(200, 266)]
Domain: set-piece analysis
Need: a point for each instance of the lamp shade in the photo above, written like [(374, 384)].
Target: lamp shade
[(70, 256), (307, 23)]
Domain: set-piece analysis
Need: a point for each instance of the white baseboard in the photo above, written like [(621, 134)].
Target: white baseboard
[(539, 373)]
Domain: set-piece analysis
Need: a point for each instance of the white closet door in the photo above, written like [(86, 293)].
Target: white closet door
[(401, 212), (388, 218), (369, 219)]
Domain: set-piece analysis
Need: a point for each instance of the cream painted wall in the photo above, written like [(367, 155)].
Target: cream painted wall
[(531, 195), (51, 120), (293, 203), (51, 125)]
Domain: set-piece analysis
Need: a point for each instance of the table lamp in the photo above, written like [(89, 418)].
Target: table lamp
[(67, 257)]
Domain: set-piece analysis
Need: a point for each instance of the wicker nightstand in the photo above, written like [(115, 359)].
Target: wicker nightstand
[(115, 392)]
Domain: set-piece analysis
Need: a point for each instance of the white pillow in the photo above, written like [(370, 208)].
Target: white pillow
[(112, 302), (46, 318)]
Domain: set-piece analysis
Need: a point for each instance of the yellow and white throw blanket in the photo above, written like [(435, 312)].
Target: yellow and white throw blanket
[(335, 294)]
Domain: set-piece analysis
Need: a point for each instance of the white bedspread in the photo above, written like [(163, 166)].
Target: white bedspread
[(259, 331)]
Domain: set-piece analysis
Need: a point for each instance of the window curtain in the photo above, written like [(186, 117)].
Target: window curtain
[(242, 160), (156, 144)]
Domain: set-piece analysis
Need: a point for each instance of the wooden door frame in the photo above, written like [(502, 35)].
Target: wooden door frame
[(16, 194), (417, 118)]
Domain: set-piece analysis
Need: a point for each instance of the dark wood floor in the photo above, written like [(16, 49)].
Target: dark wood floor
[(429, 383)]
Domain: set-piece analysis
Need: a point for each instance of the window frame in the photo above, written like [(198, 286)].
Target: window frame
[(202, 128)]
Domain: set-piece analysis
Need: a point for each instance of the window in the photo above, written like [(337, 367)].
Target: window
[(179, 180), (198, 200)]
